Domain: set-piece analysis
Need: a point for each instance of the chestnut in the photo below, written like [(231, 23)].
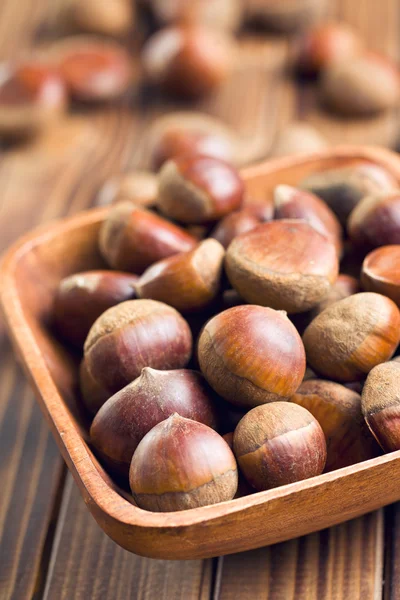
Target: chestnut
[(222, 14), (81, 298), (133, 335), (93, 69), (293, 203), (375, 221), (32, 94), (251, 355), (297, 138), (132, 238), (338, 411), (343, 187), (123, 421), (198, 189), (277, 444), (105, 17), (182, 464), (381, 405), (362, 85), (285, 17), (233, 225), (326, 44), (93, 395), (188, 60), (352, 336), (139, 187), (381, 272), (285, 264), (188, 281)]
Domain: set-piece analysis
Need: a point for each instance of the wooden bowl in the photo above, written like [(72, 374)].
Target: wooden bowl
[(30, 272)]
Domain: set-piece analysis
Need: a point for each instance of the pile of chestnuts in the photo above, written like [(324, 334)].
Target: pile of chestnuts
[(197, 337)]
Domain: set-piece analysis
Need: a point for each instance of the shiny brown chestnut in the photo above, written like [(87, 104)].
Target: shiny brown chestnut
[(182, 464), (285, 264), (188, 281), (251, 355), (233, 225), (352, 336), (123, 421), (133, 335), (81, 298), (188, 60), (139, 187), (198, 189), (324, 45), (343, 187), (381, 272), (277, 444), (375, 221), (362, 85), (381, 405), (105, 17), (32, 94), (293, 203), (132, 238), (93, 69), (338, 411)]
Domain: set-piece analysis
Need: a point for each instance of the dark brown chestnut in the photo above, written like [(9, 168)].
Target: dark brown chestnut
[(352, 336), (93, 395), (133, 335), (199, 189), (375, 221), (251, 355), (123, 421), (188, 281), (132, 238), (284, 264), (182, 464), (81, 298), (233, 225), (277, 444)]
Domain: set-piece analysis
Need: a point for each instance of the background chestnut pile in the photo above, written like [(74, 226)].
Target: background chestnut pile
[(196, 339)]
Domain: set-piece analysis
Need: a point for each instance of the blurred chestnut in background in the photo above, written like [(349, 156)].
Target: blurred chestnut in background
[(221, 14), (361, 86), (298, 138), (381, 272), (352, 336), (188, 61), (182, 464), (81, 298), (286, 16), (251, 355), (277, 444), (32, 94), (375, 221), (284, 264), (133, 335), (324, 45), (188, 281), (106, 17), (233, 225), (94, 69), (293, 203), (132, 238), (342, 188), (139, 187), (155, 395), (198, 189), (381, 404), (338, 411)]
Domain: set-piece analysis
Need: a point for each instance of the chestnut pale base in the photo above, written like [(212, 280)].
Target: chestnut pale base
[(30, 272)]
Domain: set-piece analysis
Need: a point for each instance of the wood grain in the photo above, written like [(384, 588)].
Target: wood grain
[(335, 564), (111, 573)]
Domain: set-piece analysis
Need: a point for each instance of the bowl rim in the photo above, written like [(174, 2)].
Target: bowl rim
[(73, 447)]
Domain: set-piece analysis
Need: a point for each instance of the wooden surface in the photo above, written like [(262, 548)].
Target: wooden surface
[(59, 174)]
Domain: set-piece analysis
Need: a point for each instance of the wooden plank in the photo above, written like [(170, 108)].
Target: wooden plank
[(335, 564), (87, 564)]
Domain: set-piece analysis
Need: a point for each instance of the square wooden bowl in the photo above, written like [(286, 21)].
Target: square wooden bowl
[(30, 273)]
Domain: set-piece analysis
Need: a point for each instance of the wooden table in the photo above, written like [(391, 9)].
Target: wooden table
[(50, 545)]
